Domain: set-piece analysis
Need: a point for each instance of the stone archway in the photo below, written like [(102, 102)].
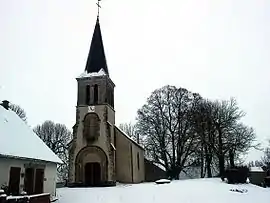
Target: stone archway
[(88, 161)]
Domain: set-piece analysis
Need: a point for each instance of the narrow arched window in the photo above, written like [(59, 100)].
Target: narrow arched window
[(138, 160), (91, 129), (112, 99), (95, 94), (87, 93)]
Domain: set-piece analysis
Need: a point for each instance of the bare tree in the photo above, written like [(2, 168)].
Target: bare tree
[(220, 136), (241, 138), (56, 136), (180, 129), (226, 114), (164, 122), (204, 126), (266, 157), (19, 111), (130, 129)]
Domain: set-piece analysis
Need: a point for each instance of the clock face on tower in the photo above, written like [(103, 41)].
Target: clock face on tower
[(91, 109)]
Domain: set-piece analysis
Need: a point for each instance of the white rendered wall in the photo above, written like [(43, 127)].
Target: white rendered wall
[(49, 183)]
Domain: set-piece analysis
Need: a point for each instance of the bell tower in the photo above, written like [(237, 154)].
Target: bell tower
[(92, 151)]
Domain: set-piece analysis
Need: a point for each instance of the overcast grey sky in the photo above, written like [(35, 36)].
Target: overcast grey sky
[(218, 48)]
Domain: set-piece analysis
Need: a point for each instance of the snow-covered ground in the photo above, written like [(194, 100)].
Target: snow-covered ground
[(185, 191)]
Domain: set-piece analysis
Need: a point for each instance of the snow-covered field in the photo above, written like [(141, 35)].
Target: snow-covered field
[(184, 191)]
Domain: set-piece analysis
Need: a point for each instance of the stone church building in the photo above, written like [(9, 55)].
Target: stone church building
[(100, 153)]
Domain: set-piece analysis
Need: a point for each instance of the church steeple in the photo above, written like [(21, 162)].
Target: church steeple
[(95, 87), (96, 58)]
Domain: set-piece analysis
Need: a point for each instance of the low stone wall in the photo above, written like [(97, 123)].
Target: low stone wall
[(61, 184), (103, 184), (40, 198), (257, 178)]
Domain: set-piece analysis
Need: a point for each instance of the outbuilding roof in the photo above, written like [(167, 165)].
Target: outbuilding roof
[(18, 140)]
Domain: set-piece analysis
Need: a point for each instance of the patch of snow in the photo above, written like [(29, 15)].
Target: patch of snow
[(23, 193), (113, 147), (39, 195), (16, 197), (256, 169), (162, 181), (110, 123), (127, 136), (191, 191), (54, 199), (101, 72), (19, 140)]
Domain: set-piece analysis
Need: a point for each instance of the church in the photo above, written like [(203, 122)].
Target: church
[(100, 154)]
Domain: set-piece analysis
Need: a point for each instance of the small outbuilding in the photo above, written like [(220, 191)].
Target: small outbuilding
[(256, 175), (27, 164)]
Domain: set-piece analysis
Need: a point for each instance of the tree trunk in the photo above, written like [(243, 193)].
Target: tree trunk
[(208, 165), (209, 170), (176, 176), (202, 169), (202, 163), (208, 160), (174, 173), (221, 160), (221, 157), (231, 157)]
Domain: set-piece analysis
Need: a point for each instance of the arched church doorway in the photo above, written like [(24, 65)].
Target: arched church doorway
[(92, 174), (91, 166)]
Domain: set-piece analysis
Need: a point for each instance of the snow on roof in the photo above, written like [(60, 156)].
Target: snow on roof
[(101, 72), (127, 136), (161, 167), (256, 169), (19, 140)]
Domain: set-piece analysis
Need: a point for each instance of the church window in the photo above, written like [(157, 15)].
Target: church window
[(91, 129), (109, 130), (95, 94), (108, 97), (114, 137), (112, 100), (138, 160), (87, 99)]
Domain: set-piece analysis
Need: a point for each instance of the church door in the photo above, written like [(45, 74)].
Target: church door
[(92, 174)]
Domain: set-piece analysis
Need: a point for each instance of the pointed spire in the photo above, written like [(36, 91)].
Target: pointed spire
[(96, 58)]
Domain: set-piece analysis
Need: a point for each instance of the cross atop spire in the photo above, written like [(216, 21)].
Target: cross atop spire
[(98, 4), (96, 59)]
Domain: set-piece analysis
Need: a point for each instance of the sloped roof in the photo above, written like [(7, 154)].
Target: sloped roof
[(256, 169), (18, 140), (96, 58), (101, 72), (128, 137)]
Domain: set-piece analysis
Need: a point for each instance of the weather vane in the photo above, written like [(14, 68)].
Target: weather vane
[(98, 4)]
